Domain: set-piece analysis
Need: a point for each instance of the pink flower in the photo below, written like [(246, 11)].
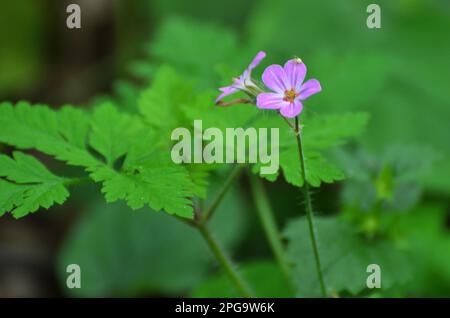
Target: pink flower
[(289, 89), (243, 82)]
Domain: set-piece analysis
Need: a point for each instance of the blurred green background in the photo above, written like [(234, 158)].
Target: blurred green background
[(399, 170)]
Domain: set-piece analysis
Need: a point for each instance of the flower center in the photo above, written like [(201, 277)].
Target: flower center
[(289, 95)]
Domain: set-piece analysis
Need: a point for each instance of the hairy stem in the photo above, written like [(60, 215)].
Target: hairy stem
[(309, 210), (224, 261), (199, 223), (268, 222), (206, 215)]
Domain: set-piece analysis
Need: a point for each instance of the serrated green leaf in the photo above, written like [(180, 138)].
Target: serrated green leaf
[(61, 134), (23, 168), (43, 195), (199, 175), (111, 132), (318, 169), (326, 131), (11, 195), (160, 104), (32, 185), (157, 182), (319, 132), (323, 131)]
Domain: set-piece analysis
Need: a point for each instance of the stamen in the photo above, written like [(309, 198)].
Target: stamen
[(289, 95)]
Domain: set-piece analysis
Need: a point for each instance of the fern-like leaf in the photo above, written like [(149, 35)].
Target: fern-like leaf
[(60, 134), (157, 182), (30, 185)]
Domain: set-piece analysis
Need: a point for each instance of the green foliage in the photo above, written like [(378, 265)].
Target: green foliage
[(393, 178), (69, 134), (30, 185), (61, 134), (272, 19), (197, 50), (200, 175), (123, 143), (107, 138), (156, 182), (265, 278), (169, 88), (384, 73), (212, 44), (425, 230), (129, 254), (159, 103), (345, 256), (324, 132), (319, 133), (318, 169)]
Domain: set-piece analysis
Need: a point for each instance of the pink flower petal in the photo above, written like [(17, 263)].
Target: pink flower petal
[(275, 78), (309, 88), (292, 109), (295, 71), (227, 90), (240, 82), (258, 58), (270, 101)]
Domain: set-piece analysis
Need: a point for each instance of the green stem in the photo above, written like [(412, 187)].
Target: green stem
[(268, 222), (224, 261), (309, 210), (206, 215), (219, 254)]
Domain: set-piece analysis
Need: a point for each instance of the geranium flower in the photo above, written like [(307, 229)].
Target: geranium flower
[(243, 82), (289, 89)]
